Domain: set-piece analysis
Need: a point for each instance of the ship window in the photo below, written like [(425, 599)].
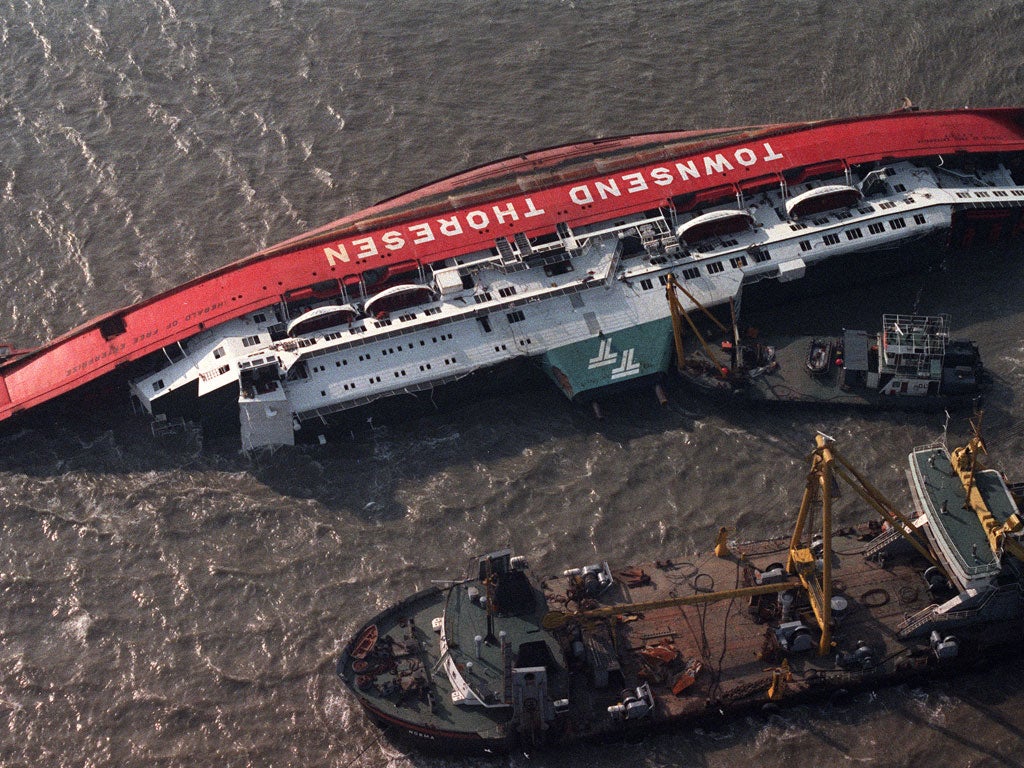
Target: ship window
[(691, 273), (887, 204), (218, 353), (866, 208), (877, 228), (158, 385), (761, 255), (432, 311), (715, 268), (805, 245), (485, 324), (899, 187), (259, 318), (898, 223), (853, 234), (480, 298), (507, 291), (797, 227), (919, 218), (516, 317), (738, 261), (646, 284), (249, 341), (822, 221)]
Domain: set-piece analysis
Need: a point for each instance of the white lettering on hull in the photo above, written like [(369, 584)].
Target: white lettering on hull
[(479, 219)]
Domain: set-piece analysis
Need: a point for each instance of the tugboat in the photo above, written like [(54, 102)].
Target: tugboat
[(910, 364), (503, 659)]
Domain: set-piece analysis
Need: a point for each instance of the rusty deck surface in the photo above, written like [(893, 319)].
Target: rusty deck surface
[(728, 637)]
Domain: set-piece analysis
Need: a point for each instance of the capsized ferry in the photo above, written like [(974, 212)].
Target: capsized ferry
[(555, 255), (505, 659)]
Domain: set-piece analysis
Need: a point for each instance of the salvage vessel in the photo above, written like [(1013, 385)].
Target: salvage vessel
[(911, 363), (502, 659), (554, 256)]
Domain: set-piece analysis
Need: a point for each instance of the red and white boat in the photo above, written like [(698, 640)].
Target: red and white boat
[(557, 255)]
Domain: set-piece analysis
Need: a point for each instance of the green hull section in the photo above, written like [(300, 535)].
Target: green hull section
[(610, 359)]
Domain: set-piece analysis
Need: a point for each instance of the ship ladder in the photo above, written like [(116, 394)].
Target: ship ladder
[(883, 541)]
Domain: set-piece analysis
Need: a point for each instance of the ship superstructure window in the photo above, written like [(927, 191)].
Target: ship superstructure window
[(832, 239), (158, 385), (899, 187), (738, 261), (853, 234), (516, 317), (509, 290), (887, 205), (218, 353), (259, 318), (805, 245), (761, 255), (898, 223), (715, 268), (480, 298), (821, 221), (877, 228), (646, 284), (919, 218), (690, 273), (250, 341)]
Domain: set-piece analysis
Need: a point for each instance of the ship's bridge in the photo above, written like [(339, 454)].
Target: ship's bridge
[(953, 526)]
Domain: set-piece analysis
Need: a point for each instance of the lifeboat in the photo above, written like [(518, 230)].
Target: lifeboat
[(399, 297), (821, 199), (715, 224), (319, 318)]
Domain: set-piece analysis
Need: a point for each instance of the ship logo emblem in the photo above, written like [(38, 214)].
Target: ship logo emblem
[(605, 356)]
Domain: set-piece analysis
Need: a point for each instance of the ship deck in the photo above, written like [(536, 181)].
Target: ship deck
[(789, 381), (729, 647), (729, 641)]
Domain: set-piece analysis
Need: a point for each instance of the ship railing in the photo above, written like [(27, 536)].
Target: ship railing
[(930, 615), (917, 620)]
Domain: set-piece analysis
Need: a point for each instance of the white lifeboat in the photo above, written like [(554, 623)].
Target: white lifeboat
[(320, 318), (821, 199), (399, 297), (715, 223)]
